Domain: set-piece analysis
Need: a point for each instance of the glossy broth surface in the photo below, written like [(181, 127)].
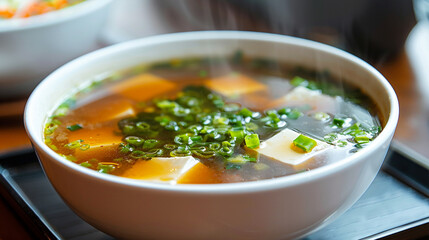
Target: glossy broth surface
[(195, 121)]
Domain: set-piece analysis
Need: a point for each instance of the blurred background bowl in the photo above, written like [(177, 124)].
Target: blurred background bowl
[(31, 48)]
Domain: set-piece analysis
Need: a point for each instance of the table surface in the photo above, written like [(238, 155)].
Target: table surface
[(402, 72)]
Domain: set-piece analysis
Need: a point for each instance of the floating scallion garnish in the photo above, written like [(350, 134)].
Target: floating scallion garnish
[(304, 143), (74, 127), (197, 123)]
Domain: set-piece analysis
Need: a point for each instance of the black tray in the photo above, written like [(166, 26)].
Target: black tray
[(396, 206)]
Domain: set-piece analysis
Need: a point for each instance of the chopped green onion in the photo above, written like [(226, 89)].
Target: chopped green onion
[(203, 154), (150, 143), (154, 153), (180, 153), (338, 122), (163, 120), (84, 147), (166, 104), (128, 129), (170, 146), (221, 121), (219, 103), (330, 138), (142, 126), (195, 128), (214, 146), (231, 107), (362, 139), (207, 129), (86, 164), (237, 160), (105, 168), (136, 141), (52, 146), (63, 109), (245, 112), (341, 143), (50, 129), (74, 144), (251, 126), (284, 111), (237, 133), (74, 127), (294, 114), (138, 154), (375, 130), (195, 139), (241, 159), (275, 124), (272, 114), (250, 159), (225, 151), (181, 112), (70, 158), (181, 139), (312, 85), (213, 136), (125, 148), (321, 116), (299, 81), (304, 143), (172, 126), (290, 113), (252, 140), (358, 145)]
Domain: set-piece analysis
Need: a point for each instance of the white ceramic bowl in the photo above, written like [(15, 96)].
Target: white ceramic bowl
[(31, 48), (280, 208)]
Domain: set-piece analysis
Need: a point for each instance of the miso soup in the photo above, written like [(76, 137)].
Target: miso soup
[(212, 120)]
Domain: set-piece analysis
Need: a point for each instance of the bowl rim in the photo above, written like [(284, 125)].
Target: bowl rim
[(226, 188), (53, 17)]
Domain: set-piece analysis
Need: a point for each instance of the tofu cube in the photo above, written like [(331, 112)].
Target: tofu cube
[(279, 147), (234, 84), (107, 109), (300, 96), (143, 87), (102, 141), (164, 170), (200, 174)]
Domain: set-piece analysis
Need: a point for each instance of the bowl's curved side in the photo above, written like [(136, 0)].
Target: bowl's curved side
[(278, 208), (131, 213), (30, 50)]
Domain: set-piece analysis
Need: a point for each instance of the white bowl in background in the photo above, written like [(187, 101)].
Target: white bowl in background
[(31, 48), (280, 208)]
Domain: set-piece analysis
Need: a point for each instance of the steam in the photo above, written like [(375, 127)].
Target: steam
[(208, 15), (296, 18)]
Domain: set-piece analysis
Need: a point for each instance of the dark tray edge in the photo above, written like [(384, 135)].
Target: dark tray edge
[(41, 229), (19, 202), (413, 230)]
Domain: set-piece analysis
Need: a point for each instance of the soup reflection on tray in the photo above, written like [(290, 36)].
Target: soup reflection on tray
[(207, 120)]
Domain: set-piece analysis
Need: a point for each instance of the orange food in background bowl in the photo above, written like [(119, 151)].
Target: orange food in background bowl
[(25, 9), (40, 36)]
